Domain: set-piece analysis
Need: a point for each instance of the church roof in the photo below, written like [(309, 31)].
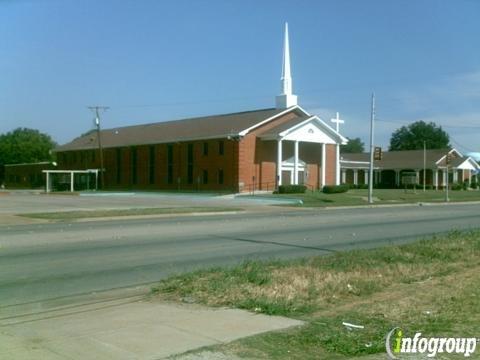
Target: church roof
[(206, 127), (407, 159), (278, 129)]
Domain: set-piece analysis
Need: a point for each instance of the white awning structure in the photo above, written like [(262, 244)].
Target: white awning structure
[(48, 187)]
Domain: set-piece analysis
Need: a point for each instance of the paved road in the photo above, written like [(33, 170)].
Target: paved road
[(39, 262)]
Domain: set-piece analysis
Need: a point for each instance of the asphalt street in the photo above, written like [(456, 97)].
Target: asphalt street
[(45, 261)]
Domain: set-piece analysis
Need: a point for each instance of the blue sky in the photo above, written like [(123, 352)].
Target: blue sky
[(162, 60)]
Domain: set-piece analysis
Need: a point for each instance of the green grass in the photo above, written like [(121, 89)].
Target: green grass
[(431, 286), (381, 196), (82, 214)]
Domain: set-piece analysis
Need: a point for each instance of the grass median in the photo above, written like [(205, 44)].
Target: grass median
[(431, 286), (87, 214), (381, 196)]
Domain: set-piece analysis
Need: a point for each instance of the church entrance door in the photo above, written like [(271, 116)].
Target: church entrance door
[(287, 177)]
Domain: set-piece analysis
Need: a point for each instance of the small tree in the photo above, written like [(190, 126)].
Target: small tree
[(354, 146), (411, 137), (24, 145)]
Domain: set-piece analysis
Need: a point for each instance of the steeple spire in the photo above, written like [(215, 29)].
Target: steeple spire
[(286, 99)]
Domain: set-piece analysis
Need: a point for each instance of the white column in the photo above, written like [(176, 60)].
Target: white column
[(417, 176), (71, 181), (47, 184), (279, 162), (295, 164), (355, 177), (365, 176), (436, 180), (397, 178), (455, 175), (344, 176), (337, 177), (324, 157)]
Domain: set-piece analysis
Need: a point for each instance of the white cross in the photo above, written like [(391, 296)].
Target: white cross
[(337, 121)]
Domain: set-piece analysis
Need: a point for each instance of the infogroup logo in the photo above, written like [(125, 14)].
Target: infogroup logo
[(396, 344)]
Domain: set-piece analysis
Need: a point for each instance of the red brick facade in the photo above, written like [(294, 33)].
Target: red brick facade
[(245, 163)]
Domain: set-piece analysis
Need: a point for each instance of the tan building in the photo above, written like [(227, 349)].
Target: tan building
[(389, 171)]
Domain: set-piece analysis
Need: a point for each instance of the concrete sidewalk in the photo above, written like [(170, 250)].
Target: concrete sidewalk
[(129, 330)]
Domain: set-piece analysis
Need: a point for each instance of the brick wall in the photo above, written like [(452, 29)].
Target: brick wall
[(330, 170), (212, 163)]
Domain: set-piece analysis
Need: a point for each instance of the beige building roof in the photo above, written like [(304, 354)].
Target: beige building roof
[(409, 159)]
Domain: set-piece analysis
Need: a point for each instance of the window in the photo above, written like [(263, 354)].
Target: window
[(205, 177), (221, 147), (205, 148), (170, 164), (133, 154), (220, 176), (119, 164), (190, 163), (151, 165)]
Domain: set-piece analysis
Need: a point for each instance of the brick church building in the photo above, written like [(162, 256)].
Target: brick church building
[(258, 149)]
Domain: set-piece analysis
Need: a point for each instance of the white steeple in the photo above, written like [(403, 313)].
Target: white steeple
[(286, 99)]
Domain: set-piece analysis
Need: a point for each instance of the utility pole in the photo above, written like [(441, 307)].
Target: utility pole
[(96, 110), (372, 149), (424, 164), (447, 162)]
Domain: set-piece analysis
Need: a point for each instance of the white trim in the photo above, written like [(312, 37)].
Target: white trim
[(324, 162), (279, 162), (330, 132), (471, 161), (337, 164), (354, 162), (452, 150), (296, 107), (295, 163)]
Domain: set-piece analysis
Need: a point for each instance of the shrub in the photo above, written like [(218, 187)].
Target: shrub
[(359, 186), (457, 187), (335, 189), (292, 189)]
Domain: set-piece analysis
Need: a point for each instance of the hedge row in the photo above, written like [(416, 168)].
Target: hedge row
[(292, 189), (335, 189)]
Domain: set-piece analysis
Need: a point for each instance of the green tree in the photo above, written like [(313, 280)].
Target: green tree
[(354, 146), (411, 137), (24, 145)]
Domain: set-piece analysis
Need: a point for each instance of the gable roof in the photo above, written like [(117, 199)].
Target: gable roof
[(287, 127), (404, 159), (206, 127)]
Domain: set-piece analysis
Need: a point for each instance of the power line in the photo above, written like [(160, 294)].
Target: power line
[(445, 126), (462, 146)]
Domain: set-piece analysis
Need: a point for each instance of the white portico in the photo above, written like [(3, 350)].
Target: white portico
[(310, 139)]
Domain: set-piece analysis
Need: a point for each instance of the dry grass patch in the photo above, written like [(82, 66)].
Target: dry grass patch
[(430, 286)]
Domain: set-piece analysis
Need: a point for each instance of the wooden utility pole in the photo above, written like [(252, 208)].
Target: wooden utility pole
[(96, 110), (372, 150)]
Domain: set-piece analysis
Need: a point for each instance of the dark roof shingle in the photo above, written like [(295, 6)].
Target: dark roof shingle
[(216, 126), (400, 159)]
